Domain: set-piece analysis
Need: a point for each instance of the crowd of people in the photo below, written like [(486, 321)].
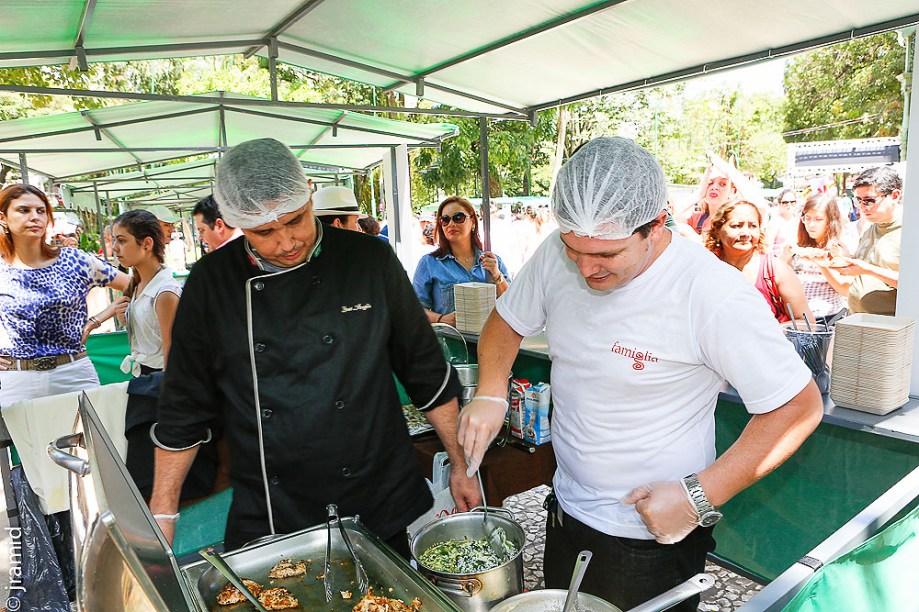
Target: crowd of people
[(809, 260), (281, 339)]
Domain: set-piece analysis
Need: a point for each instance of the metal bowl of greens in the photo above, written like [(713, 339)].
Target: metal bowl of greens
[(455, 554)]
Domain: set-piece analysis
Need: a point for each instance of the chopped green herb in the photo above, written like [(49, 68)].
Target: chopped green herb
[(467, 556)]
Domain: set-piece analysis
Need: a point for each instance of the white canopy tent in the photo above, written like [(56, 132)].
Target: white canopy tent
[(514, 56), (329, 143)]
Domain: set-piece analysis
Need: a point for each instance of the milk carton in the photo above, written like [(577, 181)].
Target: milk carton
[(536, 414)]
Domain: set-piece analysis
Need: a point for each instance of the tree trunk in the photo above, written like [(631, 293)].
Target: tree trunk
[(559, 143)]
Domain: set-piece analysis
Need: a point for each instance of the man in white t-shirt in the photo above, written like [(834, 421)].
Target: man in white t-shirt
[(643, 326)]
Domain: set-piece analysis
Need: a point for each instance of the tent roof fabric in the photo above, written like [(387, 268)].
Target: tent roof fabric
[(78, 143), (513, 55)]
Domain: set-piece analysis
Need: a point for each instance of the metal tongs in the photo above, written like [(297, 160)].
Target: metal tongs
[(362, 582)]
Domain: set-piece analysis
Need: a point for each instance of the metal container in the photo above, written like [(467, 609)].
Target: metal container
[(468, 372), (125, 564), (813, 345), (474, 592), (553, 600)]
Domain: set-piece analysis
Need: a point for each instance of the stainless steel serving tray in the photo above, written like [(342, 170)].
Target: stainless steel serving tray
[(389, 574), (124, 562)]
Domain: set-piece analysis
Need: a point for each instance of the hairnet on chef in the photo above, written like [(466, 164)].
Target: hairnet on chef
[(609, 188), (259, 181)]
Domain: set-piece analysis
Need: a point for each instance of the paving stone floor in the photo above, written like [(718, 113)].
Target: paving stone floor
[(730, 591)]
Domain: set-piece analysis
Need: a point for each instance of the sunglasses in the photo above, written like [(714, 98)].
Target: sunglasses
[(869, 201), (458, 218)]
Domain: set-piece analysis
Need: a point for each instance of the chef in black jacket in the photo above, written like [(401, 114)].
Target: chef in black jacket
[(291, 338)]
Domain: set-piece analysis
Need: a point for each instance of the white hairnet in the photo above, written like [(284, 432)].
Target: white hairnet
[(609, 188), (259, 181)]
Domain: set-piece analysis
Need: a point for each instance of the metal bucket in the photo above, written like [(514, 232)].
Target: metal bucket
[(473, 592)]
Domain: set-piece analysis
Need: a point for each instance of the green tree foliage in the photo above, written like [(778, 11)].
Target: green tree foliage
[(859, 79)]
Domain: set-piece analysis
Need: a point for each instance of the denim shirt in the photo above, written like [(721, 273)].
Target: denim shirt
[(435, 277)]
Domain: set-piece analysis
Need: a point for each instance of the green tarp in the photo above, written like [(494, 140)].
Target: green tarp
[(881, 574), (107, 351), (835, 474)]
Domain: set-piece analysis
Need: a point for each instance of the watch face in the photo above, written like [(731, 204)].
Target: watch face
[(709, 518)]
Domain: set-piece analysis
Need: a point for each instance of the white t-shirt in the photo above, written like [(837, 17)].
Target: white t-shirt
[(144, 326), (636, 372)]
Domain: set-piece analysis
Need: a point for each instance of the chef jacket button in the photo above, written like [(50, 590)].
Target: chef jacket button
[(260, 347), (275, 480), (328, 339), (345, 472), (266, 413), (339, 404), (259, 285), (315, 280)]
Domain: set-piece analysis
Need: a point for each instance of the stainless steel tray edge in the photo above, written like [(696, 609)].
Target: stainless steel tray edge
[(200, 579)]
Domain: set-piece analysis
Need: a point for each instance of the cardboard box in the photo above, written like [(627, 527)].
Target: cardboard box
[(517, 401), (536, 427)]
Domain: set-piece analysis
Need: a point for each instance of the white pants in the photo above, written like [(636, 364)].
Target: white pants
[(16, 385)]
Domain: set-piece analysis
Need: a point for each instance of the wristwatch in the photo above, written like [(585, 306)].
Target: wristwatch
[(708, 516)]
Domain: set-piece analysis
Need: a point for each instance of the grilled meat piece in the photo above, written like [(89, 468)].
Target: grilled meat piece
[(278, 598), (230, 595), (288, 569), (373, 603)]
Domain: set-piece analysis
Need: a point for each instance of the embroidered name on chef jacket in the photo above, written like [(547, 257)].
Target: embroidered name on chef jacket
[(639, 357), (345, 309)]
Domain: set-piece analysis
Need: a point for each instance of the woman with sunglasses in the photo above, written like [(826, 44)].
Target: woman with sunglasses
[(459, 258)]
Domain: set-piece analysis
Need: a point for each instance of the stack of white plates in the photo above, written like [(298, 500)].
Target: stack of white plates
[(872, 362), (474, 302)]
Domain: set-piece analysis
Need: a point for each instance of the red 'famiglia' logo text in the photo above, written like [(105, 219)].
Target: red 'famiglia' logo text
[(639, 357)]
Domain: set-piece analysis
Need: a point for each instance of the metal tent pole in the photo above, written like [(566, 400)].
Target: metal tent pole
[(23, 168), (486, 182)]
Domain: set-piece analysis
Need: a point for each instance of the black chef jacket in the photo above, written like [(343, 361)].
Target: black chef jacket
[(299, 366)]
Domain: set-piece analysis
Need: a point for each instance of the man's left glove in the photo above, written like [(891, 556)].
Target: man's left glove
[(666, 510)]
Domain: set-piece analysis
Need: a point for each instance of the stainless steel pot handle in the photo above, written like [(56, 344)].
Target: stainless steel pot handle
[(463, 587), (495, 510), (695, 585), (78, 466), (456, 333)]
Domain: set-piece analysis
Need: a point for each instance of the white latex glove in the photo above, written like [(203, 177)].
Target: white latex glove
[(666, 510), (479, 422)]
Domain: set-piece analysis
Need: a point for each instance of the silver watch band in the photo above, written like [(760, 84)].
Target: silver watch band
[(697, 495)]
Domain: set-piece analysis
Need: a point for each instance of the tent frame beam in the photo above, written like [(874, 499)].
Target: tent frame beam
[(198, 99), (298, 14), (85, 19), (393, 75), (194, 150), (328, 124), (105, 132), (98, 127)]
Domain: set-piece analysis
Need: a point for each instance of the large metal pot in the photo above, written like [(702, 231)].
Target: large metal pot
[(473, 592), (552, 600)]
